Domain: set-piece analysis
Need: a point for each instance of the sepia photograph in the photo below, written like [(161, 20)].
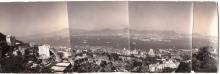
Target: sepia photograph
[(160, 33), (109, 37), (99, 36), (34, 37)]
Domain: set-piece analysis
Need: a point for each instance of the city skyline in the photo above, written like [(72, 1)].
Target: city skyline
[(110, 36)]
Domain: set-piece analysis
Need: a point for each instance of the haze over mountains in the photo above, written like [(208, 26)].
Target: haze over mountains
[(57, 38), (149, 38)]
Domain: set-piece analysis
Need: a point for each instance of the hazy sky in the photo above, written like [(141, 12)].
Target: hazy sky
[(175, 16), (205, 18), (98, 15), (22, 19)]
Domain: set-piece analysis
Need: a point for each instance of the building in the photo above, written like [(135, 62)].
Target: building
[(11, 41), (44, 51), (151, 53)]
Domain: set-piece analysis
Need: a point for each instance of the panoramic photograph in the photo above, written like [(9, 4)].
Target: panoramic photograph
[(109, 37)]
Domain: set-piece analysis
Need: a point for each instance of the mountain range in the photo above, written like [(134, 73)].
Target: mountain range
[(63, 37)]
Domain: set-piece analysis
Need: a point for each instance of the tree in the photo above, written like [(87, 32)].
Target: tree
[(203, 62)]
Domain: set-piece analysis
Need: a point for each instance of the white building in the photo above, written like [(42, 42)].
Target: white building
[(151, 53), (10, 40), (44, 51)]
